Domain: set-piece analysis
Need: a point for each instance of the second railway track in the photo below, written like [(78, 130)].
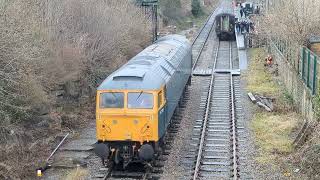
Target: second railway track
[(214, 142), (214, 139)]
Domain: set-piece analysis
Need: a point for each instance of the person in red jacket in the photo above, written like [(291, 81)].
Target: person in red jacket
[(269, 60)]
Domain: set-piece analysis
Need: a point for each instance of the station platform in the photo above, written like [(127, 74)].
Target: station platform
[(241, 45), (240, 41), (242, 52)]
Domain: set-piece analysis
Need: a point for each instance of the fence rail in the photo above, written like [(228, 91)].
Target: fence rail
[(304, 61)]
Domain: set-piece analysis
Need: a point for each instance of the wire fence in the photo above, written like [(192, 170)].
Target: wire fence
[(302, 59)]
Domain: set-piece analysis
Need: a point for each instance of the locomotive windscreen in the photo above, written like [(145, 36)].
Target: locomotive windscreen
[(140, 100), (112, 100)]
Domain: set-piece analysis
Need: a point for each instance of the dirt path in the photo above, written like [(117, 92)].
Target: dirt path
[(74, 153)]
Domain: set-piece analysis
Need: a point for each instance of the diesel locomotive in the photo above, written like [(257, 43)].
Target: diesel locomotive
[(134, 105)]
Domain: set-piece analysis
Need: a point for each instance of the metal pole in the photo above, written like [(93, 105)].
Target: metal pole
[(54, 151), (151, 8)]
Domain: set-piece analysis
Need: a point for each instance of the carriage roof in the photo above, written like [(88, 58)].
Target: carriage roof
[(151, 68)]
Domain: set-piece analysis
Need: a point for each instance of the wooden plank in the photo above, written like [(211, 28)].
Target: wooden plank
[(252, 98), (260, 104)]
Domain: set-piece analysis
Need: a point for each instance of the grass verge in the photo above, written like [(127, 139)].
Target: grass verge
[(77, 174), (273, 131)]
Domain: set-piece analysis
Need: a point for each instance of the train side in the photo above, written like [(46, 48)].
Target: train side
[(225, 23), (135, 103)]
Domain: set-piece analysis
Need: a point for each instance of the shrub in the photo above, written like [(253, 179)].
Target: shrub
[(196, 8), (292, 20), (54, 54), (171, 9)]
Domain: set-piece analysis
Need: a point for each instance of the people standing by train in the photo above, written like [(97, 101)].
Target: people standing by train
[(238, 26), (241, 26), (258, 10), (241, 11), (252, 26), (247, 26)]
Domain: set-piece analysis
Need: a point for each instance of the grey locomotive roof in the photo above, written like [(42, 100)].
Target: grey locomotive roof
[(152, 67)]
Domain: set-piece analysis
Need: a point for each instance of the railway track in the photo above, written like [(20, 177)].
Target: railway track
[(198, 45), (109, 172), (214, 141), (201, 39)]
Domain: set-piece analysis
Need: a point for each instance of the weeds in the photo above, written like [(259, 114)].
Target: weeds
[(77, 174), (196, 8), (272, 134), (259, 79), (53, 54), (272, 131)]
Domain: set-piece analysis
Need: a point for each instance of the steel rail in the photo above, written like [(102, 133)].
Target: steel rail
[(201, 49), (196, 171), (207, 36), (198, 34), (234, 138)]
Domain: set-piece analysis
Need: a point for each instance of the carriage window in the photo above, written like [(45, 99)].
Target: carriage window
[(160, 99), (225, 23), (111, 100), (140, 100)]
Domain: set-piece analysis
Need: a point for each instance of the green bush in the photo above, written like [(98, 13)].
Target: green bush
[(196, 8), (316, 103), (171, 9)]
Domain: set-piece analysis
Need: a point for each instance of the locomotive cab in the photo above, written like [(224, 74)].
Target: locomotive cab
[(127, 124)]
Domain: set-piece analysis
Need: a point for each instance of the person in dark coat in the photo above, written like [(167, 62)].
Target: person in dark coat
[(241, 26), (245, 14), (241, 12), (247, 26), (238, 26), (251, 26)]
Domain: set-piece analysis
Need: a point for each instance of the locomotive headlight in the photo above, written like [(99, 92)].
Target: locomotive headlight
[(135, 121)]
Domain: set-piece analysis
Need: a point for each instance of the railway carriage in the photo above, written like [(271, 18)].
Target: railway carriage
[(135, 104), (225, 23)]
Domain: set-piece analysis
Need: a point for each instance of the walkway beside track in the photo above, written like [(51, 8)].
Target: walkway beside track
[(242, 52)]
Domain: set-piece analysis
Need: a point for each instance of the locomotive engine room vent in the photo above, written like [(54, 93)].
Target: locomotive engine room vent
[(127, 74)]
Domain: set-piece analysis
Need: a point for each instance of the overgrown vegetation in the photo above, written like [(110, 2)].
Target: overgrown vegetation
[(181, 12), (316, 102), (53, 54), (292, 20), (196, 8), (273, 135), (308, 155), (274, 132), (77, 174), (171, 10), (259, 79)]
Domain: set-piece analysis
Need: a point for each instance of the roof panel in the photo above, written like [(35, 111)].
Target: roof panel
[(152, 67)]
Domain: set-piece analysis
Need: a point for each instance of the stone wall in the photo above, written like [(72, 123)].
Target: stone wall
[(294, 84)]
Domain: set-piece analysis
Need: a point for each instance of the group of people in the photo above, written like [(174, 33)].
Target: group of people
[(244, 26), (243, 12)]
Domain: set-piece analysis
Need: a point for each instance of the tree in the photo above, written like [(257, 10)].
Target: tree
[(196, 8)]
